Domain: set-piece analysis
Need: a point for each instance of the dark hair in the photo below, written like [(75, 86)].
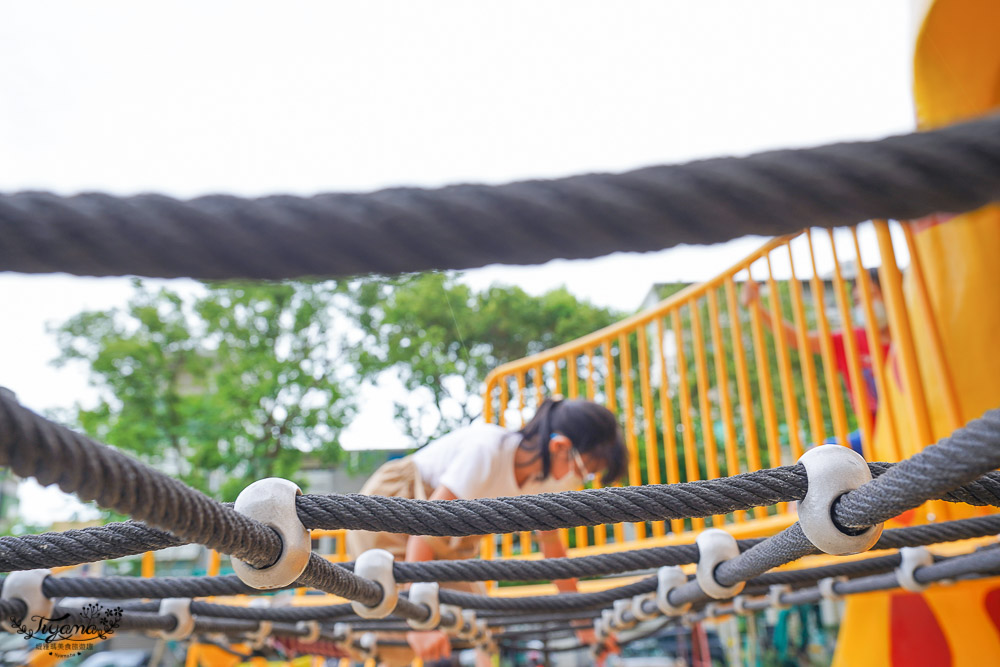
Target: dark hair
[(591, 428), (873, 276)]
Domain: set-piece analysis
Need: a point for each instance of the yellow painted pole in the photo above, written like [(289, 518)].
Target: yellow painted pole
[(851, 347), (634, 475), (902, 339), (704, 405), (816, 428), (600, 532), (691, 467), (743, 386), (573, 390), (764, 379), (612, 404), (667, 421), (878, 363), (557, 376), (539, 385), (789, 399), (148, 564), (502, 412), (191, 658), (953, 410), (834, 396), (491, 382), (722, 383), (649, 419)]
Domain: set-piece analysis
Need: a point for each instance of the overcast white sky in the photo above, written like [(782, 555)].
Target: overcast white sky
[(252, 98)]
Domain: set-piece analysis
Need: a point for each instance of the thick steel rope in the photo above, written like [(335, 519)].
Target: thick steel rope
[(35, 447), (399, 230), (955, 460)]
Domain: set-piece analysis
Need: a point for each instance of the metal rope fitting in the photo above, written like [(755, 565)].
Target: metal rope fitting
[(832, 471), (369, 645), (272, 502), (599, 631), (911, 559), (668, 578), (607, 621), (468, 630), (739, 605), (774, 594), (451, 618), (376, 564), (26, 586), (826, 587), (715, 546), (342, 632), (312, 630), (180, 609), (426, 593), (620, 608), (639, 607)]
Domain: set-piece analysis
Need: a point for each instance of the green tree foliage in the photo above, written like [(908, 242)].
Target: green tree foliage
[(442, 336), (221, 388)]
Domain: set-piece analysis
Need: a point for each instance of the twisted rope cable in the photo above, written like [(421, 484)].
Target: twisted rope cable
[(399, 230)]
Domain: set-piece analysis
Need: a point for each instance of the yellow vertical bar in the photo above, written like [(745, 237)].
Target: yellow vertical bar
[(600, 532), (764, 379), (878, 363), (342, 546), (487, 550), (833, 392), (704, 405), (649, 419), (722, 384), (789, 399), (851, 347), (502, 412), (539, 384), (573, 391), (488, 400), (953, 410), (691, 467), (507, 545), (571, 377), (667, 421), (214, 563), (557, 374), (148, 564), (521, 398), (634, 475), (609, 389), (816, 428), (591, 389), (752, 444), (902, 339)]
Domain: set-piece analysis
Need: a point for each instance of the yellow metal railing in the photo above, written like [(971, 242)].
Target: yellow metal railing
[(712, 383)]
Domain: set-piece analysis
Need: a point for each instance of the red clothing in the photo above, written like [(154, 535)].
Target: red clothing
[(865, 362)]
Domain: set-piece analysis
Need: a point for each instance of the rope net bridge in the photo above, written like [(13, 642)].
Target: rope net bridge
[(842, 500)]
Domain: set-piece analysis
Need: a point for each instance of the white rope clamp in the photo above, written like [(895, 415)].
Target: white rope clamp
[(468, 630), (826, 587), (426, 593), (180, 609), (369, 645), (774, 594), (832, 471), (342, 632), (311, 629), (619, 609), (272, 502), (639, 610), (912, 558), (451, 619), (668, 578), (26, 586), (716, 546), (599, 632), (376, 564)]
